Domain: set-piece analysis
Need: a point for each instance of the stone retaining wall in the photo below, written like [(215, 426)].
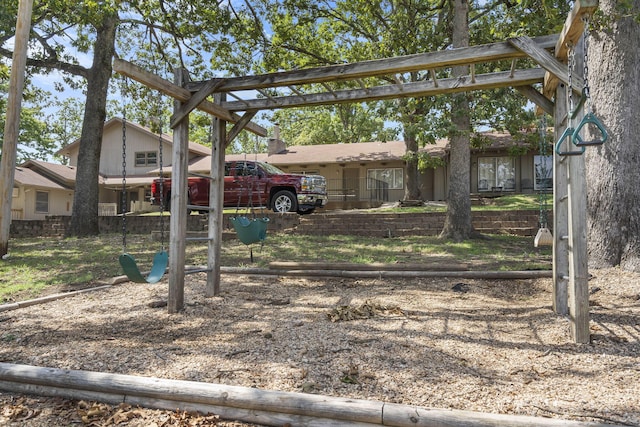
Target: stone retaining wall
[(56, 226), (524, 223)]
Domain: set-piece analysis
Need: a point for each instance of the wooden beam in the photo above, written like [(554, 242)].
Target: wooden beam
[(574, 26), (547, 61), (12, 120), (537, 98), (432, 72), (237, 128), (577, 219), (195, 100), (416, 89), (179, 93), (328, 88), (560, 210), (571, 32), (379, 67), (179, 199), (216, 202)]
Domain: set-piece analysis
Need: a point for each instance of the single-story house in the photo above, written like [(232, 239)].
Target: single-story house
[(356, 174)]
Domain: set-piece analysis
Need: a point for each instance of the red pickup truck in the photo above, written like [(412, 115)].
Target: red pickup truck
[(254, 184)]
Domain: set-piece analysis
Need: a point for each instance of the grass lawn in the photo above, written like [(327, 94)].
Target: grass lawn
[(38, 264)]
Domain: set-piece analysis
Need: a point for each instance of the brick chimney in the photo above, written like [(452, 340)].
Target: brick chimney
[(275, 144)]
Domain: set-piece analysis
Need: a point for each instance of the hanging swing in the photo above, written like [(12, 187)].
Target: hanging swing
[(127, 261), (249, 230), (544, 236)]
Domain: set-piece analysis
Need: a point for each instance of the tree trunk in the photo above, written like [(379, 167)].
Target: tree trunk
[(457, 224), (84, 216), (412, 175), (613, 175)]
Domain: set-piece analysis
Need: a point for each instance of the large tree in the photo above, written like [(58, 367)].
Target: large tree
[(154, 32), (457, 224), (613, 175)]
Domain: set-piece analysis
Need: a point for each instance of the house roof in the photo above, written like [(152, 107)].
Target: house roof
[(194, 147), (29, 177), (328, 153), (55, 171), (52, 175)]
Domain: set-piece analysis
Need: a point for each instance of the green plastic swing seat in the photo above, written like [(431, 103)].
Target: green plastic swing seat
[(250, 230), (160, 261)]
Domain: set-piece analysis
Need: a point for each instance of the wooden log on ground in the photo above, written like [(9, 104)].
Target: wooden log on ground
[(437, 264), (398, 416), (48, 298), (520, 274), (273, 408)]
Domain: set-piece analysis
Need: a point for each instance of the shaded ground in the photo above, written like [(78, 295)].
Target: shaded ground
[(490, 346)]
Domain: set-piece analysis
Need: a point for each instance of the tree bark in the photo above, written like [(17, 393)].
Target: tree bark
[(84, 216), (457, 224), (412, 188), (613, 175)]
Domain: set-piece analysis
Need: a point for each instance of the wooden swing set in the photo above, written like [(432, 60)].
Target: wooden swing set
[(560, 83)]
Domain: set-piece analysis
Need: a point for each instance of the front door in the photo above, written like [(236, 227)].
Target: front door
[(351, 184)]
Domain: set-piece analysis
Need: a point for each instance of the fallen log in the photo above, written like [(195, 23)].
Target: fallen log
[(266, 407), (436, 265)]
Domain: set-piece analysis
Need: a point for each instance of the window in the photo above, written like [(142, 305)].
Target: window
[(393, 178), (543, 168), (42, 202), (147, 158), (496, 174)]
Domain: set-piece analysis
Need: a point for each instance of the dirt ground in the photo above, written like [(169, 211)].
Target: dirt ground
[(489, 346)]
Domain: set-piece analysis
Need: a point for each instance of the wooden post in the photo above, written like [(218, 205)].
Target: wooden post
[(570, 257), (12, 123), (560, 209), (179, 198), (578, 254), (216, 201)]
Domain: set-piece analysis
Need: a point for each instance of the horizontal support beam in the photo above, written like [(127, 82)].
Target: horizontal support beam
[(379, 67), (181, 94), (416, 89), (547, 61), (537, 98)]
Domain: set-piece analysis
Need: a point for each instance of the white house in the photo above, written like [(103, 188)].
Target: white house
[(42, 188)]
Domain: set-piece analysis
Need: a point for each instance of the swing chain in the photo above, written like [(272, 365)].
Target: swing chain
[(543, 171), (161, 174), (586, 90), (571, 64), (123, 198)]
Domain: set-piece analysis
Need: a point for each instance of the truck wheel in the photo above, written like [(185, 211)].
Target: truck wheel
[(284, 201)]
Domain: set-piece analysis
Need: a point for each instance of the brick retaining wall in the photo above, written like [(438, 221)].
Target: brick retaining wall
[(56, 226), (524, 223)]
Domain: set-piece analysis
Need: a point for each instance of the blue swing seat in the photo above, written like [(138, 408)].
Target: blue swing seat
[(250, 230), (160, 261)]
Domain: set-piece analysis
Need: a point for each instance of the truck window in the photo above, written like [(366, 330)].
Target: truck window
[(246, 169)]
